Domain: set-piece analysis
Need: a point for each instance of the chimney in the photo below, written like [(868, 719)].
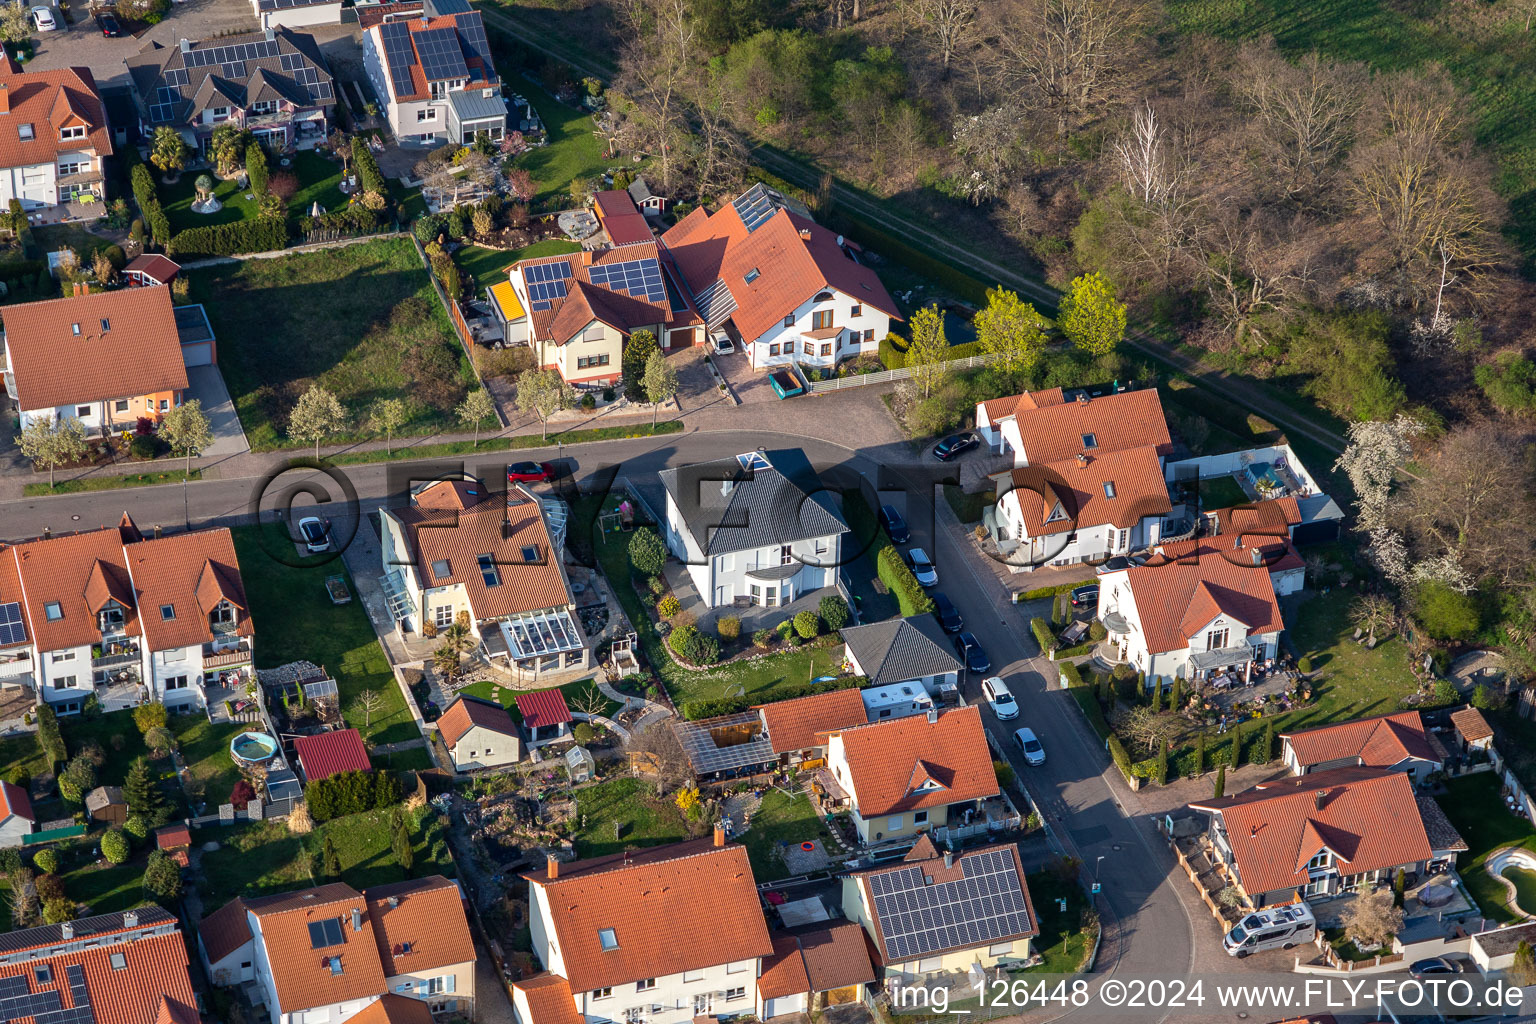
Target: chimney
[(357, 919), (586, 257), (1320, 798), (47, 532), (933, 715), (552, 866), (1082, 458), (130, 919), (805, 233), (949, 858), (394, 901), (67, 930), (719, 833), (5, 98), (1258, 557), (157, 531)]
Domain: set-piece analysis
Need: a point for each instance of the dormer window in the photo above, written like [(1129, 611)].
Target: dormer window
[(264, 107), (74, 131), (220, 113), (111, 616), (223, 612), (26, 132)]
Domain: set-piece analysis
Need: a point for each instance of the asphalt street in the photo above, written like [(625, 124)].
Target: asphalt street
[(1151, 928)]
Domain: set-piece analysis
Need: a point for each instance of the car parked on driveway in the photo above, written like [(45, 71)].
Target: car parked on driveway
[(922, 567), (530, 472), (894, 524), (1086, 596), (970, 652), (722, 343), (43, 18), (109, 25), (315, 534), (1000, 697), (1029, 743), (948, 614), (955, 445)]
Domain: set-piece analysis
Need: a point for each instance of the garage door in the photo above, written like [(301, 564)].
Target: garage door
[(200, 354), (780, 1006)]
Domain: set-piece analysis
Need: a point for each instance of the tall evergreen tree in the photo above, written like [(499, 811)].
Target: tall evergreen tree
[(141, 794), (330, 863), (1221, 781)]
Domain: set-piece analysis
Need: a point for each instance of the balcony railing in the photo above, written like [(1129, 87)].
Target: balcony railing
[(111, 655), (236, 656)]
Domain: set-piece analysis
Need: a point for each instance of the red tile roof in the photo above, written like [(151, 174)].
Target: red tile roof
[(420, 925), (140, 353), (909, 764), (586, 301), (225, 930), (16, 801), (173, 837), (302, 973), (1191, 579), (1471, 724), (172, 1011), (817, 958), (1378, 742), (11, 592), (543, 707), (192, 572), (466, 712), (1003, 408), (340, 750), (549, 1000), (1082, 491), (784, 971), (58, 570), (621, 218), (393, 1009), (1053, 430), (50, 101), (488, 525), (154, 266), (697, 888), (804, 722), (1366, 817)]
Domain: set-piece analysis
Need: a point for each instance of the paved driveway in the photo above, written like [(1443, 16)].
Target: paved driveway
[(207, 384)]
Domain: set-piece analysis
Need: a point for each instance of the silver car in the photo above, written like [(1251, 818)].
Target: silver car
[(1034, 753), (922, 567)]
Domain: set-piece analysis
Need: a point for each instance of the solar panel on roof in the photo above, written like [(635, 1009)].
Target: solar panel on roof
[(639, 278), (12, 629), (919, 918), (441, 58), (177, 76)]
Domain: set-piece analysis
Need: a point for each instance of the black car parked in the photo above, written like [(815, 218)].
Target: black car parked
[(955, 444), (1086, 596), (969, 650), (948, 614), (894, 524), (110, 26)]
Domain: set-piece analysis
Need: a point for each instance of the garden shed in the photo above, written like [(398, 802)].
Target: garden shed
[(580, 764), (106, 804)]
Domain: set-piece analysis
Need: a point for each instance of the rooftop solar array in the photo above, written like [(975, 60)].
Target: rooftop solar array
[(46, 1007), (640, 279), (546, 283), (396, 37), (541, 634), (265, 49), (918, 918), (450, 6), (12, 629), (756, 205), (472, 36), (441, 58), (698, 740)]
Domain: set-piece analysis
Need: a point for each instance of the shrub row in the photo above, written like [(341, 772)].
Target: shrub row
[(896, 575), (694, 710), (256, 169), (49, 738), (1043, 635), (1040, 593), (260, 235), (1091, 711), (354, 217), (350, 793), (149, 205), (1122, 759), (368, 174), (893, 351)]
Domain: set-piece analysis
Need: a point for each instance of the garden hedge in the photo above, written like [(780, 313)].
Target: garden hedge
[(350, 793), (893, 351), (1040, 593), (1090, 705), (695, 710), (1122, 759), (896, 575), (1043, 635), (49, 738), (256, 169), (263, 234), (368, 173)]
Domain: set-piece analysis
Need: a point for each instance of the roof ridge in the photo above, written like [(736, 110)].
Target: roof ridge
[(624, 864)]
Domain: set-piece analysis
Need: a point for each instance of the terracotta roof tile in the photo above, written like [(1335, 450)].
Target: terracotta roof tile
[(795, 724), (393, 1009), (1053, 429), (11, 591), (301, 972), (1379, 742), (174, 1011), (466, 711), (173, 837), (424, 928), (225, 930), (155, 968), (1471, 724), (190, 572), (543, 707), (58, 570), (549, 1000), (154, 266), (836, 956), (1366, 816), (621, 218), (140, 353), (340, 750), (17, 801), (697, 888), (1082, 491), (587, 301), (1186, 579), (50, 100), (784, 972), (884, 759), (489, 526)]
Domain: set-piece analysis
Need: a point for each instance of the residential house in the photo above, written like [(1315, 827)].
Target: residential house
[(782, 286), (18, 819), (479, 734), (798, 729), (913, 650), (435, 77), (594, 927), (577, 312), (1272, 473), (909, 775), (812, 968), (128, 619), (53, 136), (296, 13), (1494, 949), (1196, 609), (176, 841), (544, 998), (1397, 741), (619, 217), (546, 718), (1318, 835), (329, 753), (149, 270), (462, 550), (274, 83), (332, 953), (1087, 476), (128, 968), (949, 912), (755, 530), (106, 804), (107, 359)]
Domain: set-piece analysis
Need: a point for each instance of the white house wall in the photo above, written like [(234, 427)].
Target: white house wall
[(36, 185), (842, 305), (300, 17), (483, 748), (1211, 466)]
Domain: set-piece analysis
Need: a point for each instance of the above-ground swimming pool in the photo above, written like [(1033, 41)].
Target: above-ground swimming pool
[(253, 747)]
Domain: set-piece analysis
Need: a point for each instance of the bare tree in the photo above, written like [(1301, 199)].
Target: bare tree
[(949, 22), (1063, 52), (656, 751), (720, 156), (653, 74), (368, 703), (1374, 613), (1306, 111), (1142, 153), (590, 702)]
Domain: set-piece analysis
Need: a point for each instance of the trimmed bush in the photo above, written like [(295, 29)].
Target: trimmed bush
[(834, 611), (693, 646), (646, 552), (668, 606), (893, 351), (896, 575), (1122, 759), (583, 733), (1091, 711), (347, 793), (46, 861), (1304, 664), (49, 738), (368, 174), (1097, 632), (263, 234), (729, 627), (807, 624), (114, 846), (1043, 635), (256, 168)]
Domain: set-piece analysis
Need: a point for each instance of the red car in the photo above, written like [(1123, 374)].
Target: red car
[(530, 472)]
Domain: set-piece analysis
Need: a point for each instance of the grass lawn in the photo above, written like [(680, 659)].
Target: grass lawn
[(514, 442), (575, 693), (1356, 682), (296, 620), (642, 818), (755, 676), (968, 507), (1221, 492), (111, 482), (53, 237), (1062, 941), (205, 747), (573, 151), (119, 738), (780, 820), (362, 844), (363, 322), (107, 889), (489, 266), (1474, 806), (318, 178), (416, 759), (21, 753)]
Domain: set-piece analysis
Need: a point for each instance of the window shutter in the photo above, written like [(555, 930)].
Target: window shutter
[(448, 985)]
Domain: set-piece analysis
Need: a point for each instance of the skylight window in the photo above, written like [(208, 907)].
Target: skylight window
[(167, 612), (1109, 488), (335, 964), (609, 940), (488, 571), (441, 569), (75, 329), (119, 962), (753, 275), (106, 325), (324, 933), (530, 553), (43, 973), (1090, 440), (26, 132), (54, 611)]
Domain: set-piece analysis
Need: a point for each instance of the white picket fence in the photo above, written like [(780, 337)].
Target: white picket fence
[(859, 380)]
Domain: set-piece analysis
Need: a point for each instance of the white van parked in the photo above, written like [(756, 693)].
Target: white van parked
[(1272, 928)]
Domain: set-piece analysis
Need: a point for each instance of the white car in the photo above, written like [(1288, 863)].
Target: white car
[(1034, 753), (42, 17), (1003, 704), (722, 343), (314, 534), (922, 567)]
